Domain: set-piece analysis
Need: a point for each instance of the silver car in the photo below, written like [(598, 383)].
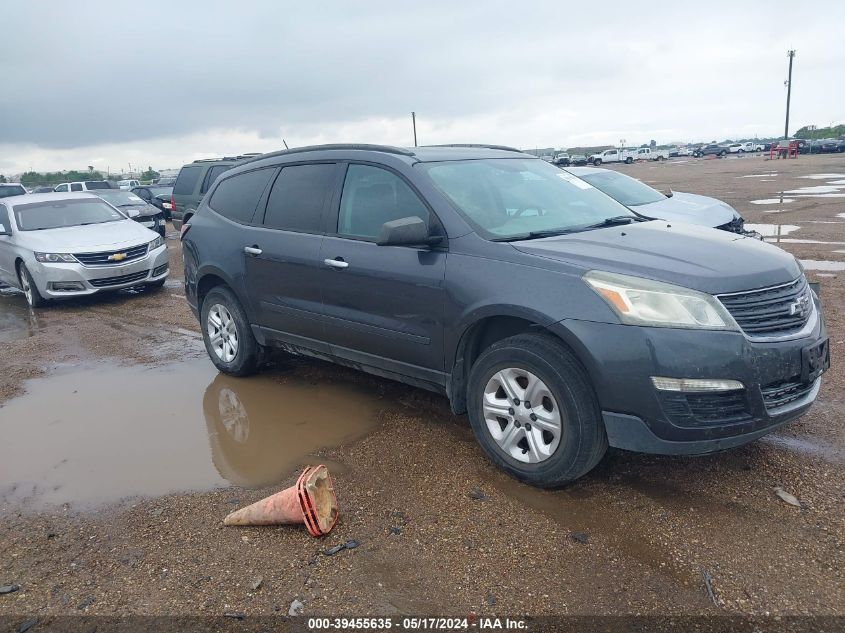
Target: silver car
[(676, 207), (59, 245)]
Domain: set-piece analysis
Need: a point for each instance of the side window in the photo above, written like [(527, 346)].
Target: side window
[(298, 196), (187, 180), (76, 186), (211, 176), (61, 188), (236, 197), (5, 225), (373, 196)]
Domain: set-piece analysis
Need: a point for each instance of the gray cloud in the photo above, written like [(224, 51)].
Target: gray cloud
[(121, 73)]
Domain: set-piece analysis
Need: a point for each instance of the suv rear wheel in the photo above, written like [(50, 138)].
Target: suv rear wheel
[(534, 412), (228, 338)]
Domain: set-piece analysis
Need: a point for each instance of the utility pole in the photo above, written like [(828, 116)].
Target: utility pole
[(414, 123), (791, 55)]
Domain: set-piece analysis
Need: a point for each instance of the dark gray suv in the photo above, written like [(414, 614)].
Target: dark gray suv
[(557, 318)]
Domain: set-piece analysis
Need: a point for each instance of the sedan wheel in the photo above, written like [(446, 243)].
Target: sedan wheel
[(30, 290)]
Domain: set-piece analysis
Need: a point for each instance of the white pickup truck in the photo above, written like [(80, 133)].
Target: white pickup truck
[(742, 148), (614, 156), (646, 153)]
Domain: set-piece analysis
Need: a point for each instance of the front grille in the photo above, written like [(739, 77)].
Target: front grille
[(770, 311), (116, 281), (705, 409), (102, 259), (779, 394)]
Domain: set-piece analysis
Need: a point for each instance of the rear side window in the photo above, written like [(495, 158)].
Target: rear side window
[(97, 184), (76, 186), (11, 190), (373, 196), (187, 180), (298, 197), (236, 197), (211, 176)]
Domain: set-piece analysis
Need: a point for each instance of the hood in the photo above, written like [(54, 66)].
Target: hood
[(140, 211), (83, 239), (690, 208), (695, 257)]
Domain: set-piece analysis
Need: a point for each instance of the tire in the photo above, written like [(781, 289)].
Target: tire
[(596, 162), (740, 151), (659, 158), (580, 442), (240, 356), (30, 290), (722, 154), (629, 160)]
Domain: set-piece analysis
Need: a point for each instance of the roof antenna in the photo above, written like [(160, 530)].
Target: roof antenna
[(286, 144)]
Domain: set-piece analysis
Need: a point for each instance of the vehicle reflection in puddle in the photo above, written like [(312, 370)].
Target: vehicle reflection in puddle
[(813, 264), (772, 230), (90, 436), (17, 319)]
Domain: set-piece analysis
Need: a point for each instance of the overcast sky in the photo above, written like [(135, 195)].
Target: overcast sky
[(162, 83)]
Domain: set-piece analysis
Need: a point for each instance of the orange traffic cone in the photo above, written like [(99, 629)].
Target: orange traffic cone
[(311, 501)]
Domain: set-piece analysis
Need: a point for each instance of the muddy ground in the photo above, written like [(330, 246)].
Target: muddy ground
[(123, 450)]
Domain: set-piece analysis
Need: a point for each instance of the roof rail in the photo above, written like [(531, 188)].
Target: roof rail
[(388, 149), (504, 148), (238, 157)]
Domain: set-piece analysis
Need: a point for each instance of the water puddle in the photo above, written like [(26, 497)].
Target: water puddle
[(823, 176), (807, 447), (94, 435), (813, 190), (780, 200), (793, 240), (17, 320), (759, 175), (772, 230), (814, 264)]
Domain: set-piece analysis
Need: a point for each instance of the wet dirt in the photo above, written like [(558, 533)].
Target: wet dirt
[(96, 434), (17, 320)]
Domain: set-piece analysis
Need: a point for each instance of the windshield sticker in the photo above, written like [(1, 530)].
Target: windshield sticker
[(581, 184)]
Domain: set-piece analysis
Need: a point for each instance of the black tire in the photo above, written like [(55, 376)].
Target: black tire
[(629, 160), (249, 354), (583, 440), (33, 297), (659, 158), (597, 161)]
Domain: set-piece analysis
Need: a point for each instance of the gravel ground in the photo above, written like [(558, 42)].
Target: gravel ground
[(440, 530)]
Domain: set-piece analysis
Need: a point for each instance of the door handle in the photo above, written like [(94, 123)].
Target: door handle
[(336, 263), (252, 250)]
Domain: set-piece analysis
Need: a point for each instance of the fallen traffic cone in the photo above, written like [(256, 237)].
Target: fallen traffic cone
[(311, 501)]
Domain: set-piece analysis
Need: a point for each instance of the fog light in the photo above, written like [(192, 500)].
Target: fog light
[(66, 286), (695, 385), (160, 270)]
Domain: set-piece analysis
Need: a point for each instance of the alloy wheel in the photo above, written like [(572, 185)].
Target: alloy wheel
[(222, 333)]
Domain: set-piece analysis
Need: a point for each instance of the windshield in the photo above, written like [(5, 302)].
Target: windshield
[(121, 198), (64, 213), (97, 184), (7, 191), (511, 198), (629, 191)]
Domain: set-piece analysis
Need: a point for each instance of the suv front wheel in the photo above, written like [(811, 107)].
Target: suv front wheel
[(534, 412), (227, 335)]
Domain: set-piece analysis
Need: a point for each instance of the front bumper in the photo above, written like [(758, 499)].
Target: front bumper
[(150, 268), (621, 360)]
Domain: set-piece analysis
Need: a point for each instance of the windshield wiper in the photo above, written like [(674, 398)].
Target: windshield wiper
[(616, 220)]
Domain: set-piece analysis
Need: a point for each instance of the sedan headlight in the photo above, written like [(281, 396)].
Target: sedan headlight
[(54, 258), (156, 243), (640, 301)]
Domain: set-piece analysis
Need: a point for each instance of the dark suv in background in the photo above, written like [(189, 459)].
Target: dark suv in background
[(558, 319), (193, 181), (710, 150)]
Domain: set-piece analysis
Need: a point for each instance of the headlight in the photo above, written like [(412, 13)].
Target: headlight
[(156, 243), (640, 301), (53, 258)]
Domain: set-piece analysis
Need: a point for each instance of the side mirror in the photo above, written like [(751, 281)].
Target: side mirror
[(410, 231)]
